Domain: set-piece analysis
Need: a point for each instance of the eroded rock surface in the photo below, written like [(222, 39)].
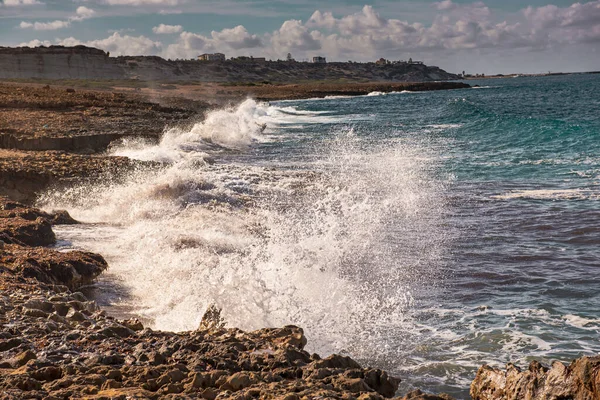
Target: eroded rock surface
[(578, 381), (56, 344)]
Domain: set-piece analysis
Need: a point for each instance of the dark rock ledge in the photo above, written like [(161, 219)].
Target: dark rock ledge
[(56, 344)]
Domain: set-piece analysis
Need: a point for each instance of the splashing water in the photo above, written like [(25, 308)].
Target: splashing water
[(334, 246)]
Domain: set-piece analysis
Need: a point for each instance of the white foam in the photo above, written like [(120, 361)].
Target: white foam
[(271, 246), (550, 194), (582, 322)]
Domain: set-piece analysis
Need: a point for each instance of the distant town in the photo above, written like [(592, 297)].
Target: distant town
[(315, 60)]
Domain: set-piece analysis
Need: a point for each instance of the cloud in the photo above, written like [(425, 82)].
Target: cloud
[(118, 44), (234, 41), (236, 38), (578, 23), (144, 2), (17, 3), (45, 26), (84, 12), (367, 34), (445, 5), (167, 29), (81, 14), (36, 43)]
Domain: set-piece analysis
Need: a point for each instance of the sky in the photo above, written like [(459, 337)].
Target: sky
[(490, 36)]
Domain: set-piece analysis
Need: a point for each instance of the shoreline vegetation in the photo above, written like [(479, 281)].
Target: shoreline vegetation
[(55, 343)]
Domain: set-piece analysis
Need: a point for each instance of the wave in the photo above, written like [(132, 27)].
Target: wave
[(550, 194), (333, 246)]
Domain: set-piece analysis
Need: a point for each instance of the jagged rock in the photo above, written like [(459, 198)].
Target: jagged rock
[(419, 395), (579, 381)]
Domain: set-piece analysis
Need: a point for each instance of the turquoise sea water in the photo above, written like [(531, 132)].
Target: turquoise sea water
[(517, 166), (424, 233)]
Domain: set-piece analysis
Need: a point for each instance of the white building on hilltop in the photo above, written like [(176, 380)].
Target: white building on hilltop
[(319, 60), (212, 57)]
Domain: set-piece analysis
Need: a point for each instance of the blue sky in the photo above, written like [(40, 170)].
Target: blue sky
[(479, 37)]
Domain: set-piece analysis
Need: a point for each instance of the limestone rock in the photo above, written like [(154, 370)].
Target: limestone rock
[(579, 381)]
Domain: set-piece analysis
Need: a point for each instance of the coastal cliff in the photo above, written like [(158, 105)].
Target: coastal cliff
[(80, 62), (57, 62)]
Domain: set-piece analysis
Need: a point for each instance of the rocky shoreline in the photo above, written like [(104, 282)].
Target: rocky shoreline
[(57, 344)]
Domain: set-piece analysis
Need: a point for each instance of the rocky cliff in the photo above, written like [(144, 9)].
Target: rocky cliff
[(57, 62), (80, 62)]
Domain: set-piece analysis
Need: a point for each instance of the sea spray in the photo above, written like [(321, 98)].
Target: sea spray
[(334, 247)]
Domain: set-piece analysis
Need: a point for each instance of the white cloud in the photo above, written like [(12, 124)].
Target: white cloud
[(167, 29), (236, 38), (368, 34), (17, 3), (234, 41), (445, 5), (145, 2), (45, 26), (118, 44), (84, 12), (80, 14), (36, 43)]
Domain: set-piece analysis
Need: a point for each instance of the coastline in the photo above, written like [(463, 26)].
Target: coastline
[(266, 363)]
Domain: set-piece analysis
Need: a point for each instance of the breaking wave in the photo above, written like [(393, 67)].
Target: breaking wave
[(335, 246)]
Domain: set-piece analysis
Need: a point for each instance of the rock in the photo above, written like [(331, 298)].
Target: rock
[(352, 385), (336, 361), (9, 344), (381, 382), (35, 313), (419, 395), (238, 381), (22, 358), (47, 374), (117, 330), (76, 316), (62, 217), (134, 324), (580, 380), (45, 306), (22, 382)]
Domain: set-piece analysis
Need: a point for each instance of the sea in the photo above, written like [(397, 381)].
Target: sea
[(424, 233)]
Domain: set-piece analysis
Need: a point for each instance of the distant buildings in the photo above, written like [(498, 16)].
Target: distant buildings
[(249, 59), (383, 61), (212, 57), (319, 60)]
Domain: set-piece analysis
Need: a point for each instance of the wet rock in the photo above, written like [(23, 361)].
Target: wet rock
[(381, 382), (134, 324), (62, 217), (352, 385), (336, 361), (419, 395)]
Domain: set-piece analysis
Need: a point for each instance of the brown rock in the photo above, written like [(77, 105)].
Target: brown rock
[(580, 380), (238, 381)]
